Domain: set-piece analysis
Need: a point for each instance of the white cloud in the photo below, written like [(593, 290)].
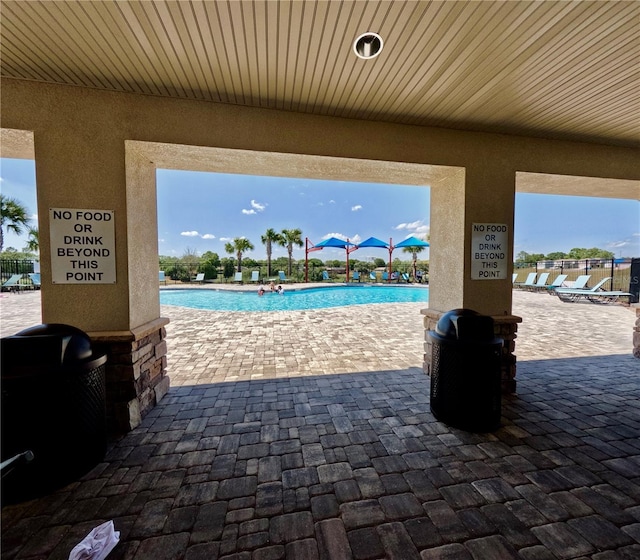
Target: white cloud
[(196, 234), (355, 239), (336, 235), (332, 201), (356, 208), (225, 239), (410, 225), (417, 228), (255, 208)]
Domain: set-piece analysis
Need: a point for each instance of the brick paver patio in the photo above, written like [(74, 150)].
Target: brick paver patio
[(308, 435)]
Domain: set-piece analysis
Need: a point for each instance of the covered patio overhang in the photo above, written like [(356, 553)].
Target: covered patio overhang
[(101, 107), (473, 179)]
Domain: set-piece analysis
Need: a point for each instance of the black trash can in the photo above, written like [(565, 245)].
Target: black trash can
[(53, 404), (465, 371)]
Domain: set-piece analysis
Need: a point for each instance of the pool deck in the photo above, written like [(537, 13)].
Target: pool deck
[(308, 434)]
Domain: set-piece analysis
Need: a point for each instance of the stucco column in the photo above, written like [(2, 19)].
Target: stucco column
[(76, 170), (86, 165), (459, 199)]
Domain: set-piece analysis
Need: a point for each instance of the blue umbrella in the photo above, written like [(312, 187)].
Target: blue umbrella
[(333, 242), (412, 242), (374, 242), (379, 244)]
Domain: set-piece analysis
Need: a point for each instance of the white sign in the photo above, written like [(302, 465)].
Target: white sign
[(82, 246), (489, 251)]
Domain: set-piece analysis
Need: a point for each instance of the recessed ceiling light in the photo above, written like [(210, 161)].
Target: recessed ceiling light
[(368, 45)]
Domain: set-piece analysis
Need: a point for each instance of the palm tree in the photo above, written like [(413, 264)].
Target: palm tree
[(240, 245), (414, 252), (270, 237), (33, 242), (14, 215), (291, 237)]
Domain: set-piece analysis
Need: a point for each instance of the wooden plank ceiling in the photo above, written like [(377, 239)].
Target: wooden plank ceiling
[(554, 69)]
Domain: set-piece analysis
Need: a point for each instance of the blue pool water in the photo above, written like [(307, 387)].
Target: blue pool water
[(315, 298)]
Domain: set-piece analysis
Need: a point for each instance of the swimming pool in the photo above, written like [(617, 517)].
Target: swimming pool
[(293, 300)]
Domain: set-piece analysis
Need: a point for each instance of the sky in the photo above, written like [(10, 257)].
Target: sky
[(203, 211)]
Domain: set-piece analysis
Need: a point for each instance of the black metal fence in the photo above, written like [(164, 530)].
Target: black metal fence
[(10, 267), (187, 272), (619, 270)]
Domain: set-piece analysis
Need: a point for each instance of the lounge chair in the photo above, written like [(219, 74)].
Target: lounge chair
[(579, 283), (13, 284), (325, 275), (385, 276), (405, 276), (373, 276), (282, 277), (575, 294), (557, 283), (607, 296), (161, 277), (199, 278), (514, 277), (355, 277), (255, 276), (540, 283), (238, 277), (530, 281), (35, 280)]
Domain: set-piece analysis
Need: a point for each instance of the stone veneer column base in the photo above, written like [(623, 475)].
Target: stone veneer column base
[(505, 327), (136, 369)]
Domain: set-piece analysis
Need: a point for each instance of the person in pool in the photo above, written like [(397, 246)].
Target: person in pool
[(280, 290), (261, 290)]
